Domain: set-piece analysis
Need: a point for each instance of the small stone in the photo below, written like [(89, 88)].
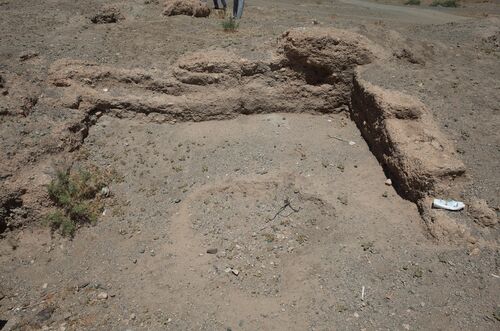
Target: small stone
[(475, 251), (235, 272), (343, 199), (177, 200), (385, 194), (418, 273), (142, 250), (356, 315), (102, 296), (388, 182), (133, 317), (105, 191), (406, 326), (44, 286), (212, 251), (45, 314), (227, 270)]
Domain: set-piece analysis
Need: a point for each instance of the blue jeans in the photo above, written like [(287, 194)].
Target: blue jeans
[(222, 2), (238, 8)]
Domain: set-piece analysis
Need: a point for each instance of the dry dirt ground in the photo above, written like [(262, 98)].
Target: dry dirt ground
[(269, 221)]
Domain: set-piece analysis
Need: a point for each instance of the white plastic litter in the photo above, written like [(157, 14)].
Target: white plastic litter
[(448, 204)]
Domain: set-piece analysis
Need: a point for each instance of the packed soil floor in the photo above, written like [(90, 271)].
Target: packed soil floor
[(269, 221)]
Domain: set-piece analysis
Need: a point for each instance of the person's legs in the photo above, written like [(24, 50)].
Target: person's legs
[(238, 9), (235, 7), (216, 4), (224, 4)]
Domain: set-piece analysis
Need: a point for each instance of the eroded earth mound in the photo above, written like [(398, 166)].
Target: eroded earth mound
[(194, 8)]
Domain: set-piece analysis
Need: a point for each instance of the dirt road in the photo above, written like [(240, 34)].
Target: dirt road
[(411, 15)]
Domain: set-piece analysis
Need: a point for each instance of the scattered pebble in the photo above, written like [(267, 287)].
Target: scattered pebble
[(212, 251), (105, 191), (102, 296), (388, 182)]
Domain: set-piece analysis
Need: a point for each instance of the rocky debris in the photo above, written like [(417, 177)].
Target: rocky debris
[(212, 251), (102, 296), (106, 15), (194, 8), (483, 214)]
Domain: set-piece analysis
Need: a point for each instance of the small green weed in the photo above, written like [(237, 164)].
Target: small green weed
[(76, 198), (412, 3), (57, 220), (444, 3), (229, 24)]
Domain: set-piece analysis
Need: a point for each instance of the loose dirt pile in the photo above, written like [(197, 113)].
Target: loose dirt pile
[(194, 8), (106, 15)]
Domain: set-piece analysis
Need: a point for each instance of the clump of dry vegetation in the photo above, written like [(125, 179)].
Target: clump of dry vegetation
[(230, 24), (77, 197)]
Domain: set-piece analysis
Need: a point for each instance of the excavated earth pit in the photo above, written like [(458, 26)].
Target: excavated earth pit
[(313, 70), (277, 220)]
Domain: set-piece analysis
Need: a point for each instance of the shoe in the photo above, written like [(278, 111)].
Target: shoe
[(448, 204)]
